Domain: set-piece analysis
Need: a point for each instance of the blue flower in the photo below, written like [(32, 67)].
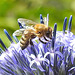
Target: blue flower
[(57, 57)]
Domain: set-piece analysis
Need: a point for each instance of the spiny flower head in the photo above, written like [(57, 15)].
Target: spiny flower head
[(57, 57)]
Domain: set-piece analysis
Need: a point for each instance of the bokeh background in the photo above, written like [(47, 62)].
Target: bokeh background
[(11, 10)]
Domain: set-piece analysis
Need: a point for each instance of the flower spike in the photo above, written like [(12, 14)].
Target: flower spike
[(53, 41), (70, 23), (7, 34), (47, 19), (54, 35), (3, 44), (1, 51), (54, 57), (71, 68), (41, 19), (20, 25), (64, 25), (15, 38), (55, 28)]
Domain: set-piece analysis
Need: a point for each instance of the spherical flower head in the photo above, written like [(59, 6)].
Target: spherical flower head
[(56, 57)]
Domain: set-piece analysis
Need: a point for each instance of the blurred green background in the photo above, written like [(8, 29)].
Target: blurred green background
[(11, 10)]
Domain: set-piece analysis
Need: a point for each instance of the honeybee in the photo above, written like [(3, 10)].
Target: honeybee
[(32, 30)]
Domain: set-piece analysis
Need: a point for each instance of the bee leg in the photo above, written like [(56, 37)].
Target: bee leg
[(42, 41), (31, 43), (45, 38)]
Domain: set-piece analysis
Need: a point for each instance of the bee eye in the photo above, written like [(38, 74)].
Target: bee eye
[(39, 32)]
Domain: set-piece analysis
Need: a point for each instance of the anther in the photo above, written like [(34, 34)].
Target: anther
[(41, 19), (64, 25)]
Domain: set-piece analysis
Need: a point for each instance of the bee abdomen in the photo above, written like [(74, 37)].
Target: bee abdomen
[(24, 38), (24, 42), (23, 45)]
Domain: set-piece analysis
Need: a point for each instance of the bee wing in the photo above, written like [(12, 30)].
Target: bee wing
[(26, 22), (18, 32)]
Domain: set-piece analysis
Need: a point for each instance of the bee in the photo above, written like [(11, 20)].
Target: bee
[(32, 30)]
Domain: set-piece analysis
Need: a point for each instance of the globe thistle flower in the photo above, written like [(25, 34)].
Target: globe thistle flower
[(56, 57)]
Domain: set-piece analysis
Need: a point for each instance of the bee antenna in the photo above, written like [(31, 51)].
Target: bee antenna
[(41, 19)]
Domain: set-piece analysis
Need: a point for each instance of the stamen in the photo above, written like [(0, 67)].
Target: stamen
[(53, 41), (3, 44), (15, 38), (47, 19), (55, 28), (70, 23), (1, 51), (54, 35), (7, 34), (64, 25), (41, 19)]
